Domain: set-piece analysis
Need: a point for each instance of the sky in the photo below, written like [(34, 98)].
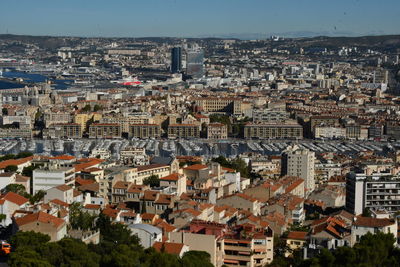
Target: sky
[(201, 18)]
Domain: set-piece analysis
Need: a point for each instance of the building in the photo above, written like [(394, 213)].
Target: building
[(363, 225), (273, 131), (134, 155), (184, 131), (52, 176), (217, 131), (43, 223), (229, 105), (104, 130), (62, 192), (301, 163), (372, 191), (270, 115), (65, 130), (144, 131), (176, 60), (195, 63), (146, 233)]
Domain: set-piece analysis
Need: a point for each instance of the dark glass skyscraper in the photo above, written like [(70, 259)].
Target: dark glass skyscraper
[(176, 60)]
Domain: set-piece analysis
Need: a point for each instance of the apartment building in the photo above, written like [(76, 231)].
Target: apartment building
[(105, 130), (221, 104), (184, 131), (217, 131), (52, 176), (56, 118), (65, 130), (134, 155), (273, 131), (300, 163), (129, 119), (144, 131), (372, 191), (270, 115)]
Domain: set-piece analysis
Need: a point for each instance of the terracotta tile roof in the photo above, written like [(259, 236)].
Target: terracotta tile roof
[(64, 187), (64, 157), (171, 177), (148, 216), (121, 185), (297, 235), (87, 163), (196, 167), (110, 212), (92, 206), (59, 202), (15, 198), (15, 162), (228, 169), (170, 248), (40, 217), (94, 187), (81, 181), (166, 227), (372, 222)]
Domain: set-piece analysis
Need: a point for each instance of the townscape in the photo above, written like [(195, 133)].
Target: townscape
[(207, 151)]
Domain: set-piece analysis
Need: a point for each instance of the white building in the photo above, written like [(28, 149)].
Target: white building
[(44, 179), (62, 192), (146, 233), (301, 163), (362, 225)]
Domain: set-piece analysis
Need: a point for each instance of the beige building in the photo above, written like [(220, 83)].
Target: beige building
[(65, 130), (44, 223), (217, 131), (184, 131), (219, 104), (144, 131), (301, 163), (56, 118), (104, 130), (83, 118), (273, 131)]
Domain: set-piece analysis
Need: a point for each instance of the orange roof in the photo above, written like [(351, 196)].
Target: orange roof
[(196, 167), (170, 248), (63, 187), (171, 177), (63, 157), (15, 198), (87, 163), (297, 235), (372, 222), (148, 216), (40, 217), (15, 162), (81, 181), (92, 206), (110, 212), (59, 202)]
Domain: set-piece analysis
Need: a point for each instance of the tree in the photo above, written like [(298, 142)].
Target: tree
[(23, 155), (97, 108), (28, 239), (28, 171), (11, 168), (37, 197), (16, 188), (195, 258), (152, 181), (79, 219), (87, 108)]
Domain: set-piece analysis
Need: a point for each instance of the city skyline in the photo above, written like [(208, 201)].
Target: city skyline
[(240, 19)]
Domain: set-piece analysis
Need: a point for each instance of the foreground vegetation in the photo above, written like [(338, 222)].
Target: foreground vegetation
[(116, 248)]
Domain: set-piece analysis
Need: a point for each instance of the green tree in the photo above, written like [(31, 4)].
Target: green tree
[(366, 212), (195, 258), (37, 197), (11, 168), (87, 108), (80, 219), (97, 108), (28, 171), (18, 189), (23, 155), (28, 239), (152, 181), (26, 258)]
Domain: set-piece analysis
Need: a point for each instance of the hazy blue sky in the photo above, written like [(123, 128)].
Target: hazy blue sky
[(134, 18)]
